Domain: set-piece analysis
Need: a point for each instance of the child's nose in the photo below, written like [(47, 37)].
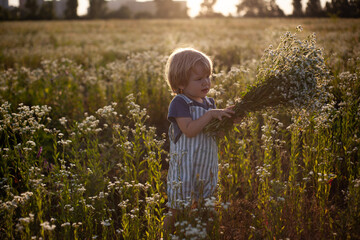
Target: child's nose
[(206, 81)]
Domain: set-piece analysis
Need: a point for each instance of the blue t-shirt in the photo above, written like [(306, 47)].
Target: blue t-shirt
[(179, 108)]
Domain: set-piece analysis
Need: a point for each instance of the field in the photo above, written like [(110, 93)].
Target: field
[(83, 133)]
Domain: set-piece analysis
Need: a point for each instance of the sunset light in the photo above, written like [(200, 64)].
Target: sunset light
[(225, 7)]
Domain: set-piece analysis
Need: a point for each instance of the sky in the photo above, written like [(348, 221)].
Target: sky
[(223, 6)]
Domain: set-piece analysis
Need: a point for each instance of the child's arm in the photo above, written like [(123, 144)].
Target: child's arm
[(191, 128)]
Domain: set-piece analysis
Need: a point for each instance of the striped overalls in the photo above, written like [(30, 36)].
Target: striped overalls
[(193, 165)]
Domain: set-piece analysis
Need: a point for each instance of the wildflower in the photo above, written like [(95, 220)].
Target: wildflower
[(128, 145), (65, 224), (63, 121), (89, 124), (46, 226), (76, 225), (64, 142), (25, 220), (281, 199), (107, 111), (32, 143), (106, 223), (225, 205), (19, 227), (82, 189), (124, 203), (210, 202), (356, 183)]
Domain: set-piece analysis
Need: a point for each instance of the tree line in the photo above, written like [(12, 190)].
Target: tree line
[(313, 8), (170, 9), (33, 11), (97, 10)]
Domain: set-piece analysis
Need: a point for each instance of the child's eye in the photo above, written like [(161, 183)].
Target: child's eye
[(207, 77)]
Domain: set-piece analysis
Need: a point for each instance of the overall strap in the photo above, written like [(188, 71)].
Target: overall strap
[(187, 100), (210, 104)]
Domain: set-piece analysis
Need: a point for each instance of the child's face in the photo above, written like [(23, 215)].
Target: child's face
[(199, 83)]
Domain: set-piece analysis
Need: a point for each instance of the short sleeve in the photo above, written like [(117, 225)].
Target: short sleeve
[(178, 108)]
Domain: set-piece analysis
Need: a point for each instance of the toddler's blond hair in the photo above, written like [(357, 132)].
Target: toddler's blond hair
[(180, 64)]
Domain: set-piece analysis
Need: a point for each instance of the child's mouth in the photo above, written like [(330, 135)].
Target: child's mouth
[(206, 90)]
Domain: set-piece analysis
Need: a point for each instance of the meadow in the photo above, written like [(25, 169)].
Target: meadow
[(83, 133)]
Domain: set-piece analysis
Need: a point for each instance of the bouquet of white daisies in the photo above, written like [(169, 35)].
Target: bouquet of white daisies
[(291, 75)]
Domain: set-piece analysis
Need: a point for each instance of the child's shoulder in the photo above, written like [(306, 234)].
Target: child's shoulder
[(178, 100)]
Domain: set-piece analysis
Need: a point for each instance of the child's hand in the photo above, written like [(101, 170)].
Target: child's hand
[(220, 113)]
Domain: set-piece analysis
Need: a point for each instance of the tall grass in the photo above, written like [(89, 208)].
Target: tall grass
[(83, 143)]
